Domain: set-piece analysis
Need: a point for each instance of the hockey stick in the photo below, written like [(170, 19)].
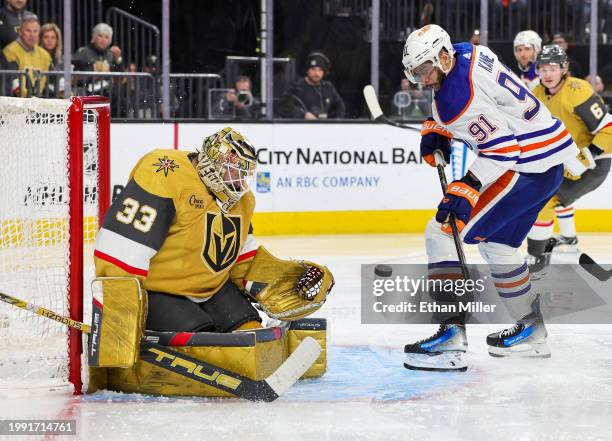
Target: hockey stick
[(43, 312), (456, 237), (266, 390), (593, 268), (369, 93)]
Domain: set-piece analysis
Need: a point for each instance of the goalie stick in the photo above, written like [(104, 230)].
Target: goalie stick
[(593, 268), (268, 389)]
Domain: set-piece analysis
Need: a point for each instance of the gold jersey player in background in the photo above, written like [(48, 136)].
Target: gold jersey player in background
[(585, 116), (182, 226)]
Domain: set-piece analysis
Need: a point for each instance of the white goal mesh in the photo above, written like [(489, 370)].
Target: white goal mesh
[(35, 258)]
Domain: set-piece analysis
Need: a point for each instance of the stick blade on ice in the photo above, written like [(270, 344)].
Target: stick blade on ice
[(594, 268), (295, 366)]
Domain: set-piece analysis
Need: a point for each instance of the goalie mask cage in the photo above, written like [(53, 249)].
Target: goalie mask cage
[(54, 188)]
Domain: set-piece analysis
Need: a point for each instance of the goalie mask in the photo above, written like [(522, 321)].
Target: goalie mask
[(226, 164)]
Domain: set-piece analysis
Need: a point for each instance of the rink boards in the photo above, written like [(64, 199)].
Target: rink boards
[(327, 178)]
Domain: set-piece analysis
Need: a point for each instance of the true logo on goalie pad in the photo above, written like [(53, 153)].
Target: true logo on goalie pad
[(193, 369), (222, 240)]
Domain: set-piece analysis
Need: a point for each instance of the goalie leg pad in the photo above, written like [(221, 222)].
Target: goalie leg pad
[(118, 317), (117, 322), (310, 327)]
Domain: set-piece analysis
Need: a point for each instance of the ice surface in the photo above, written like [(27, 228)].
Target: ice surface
[(367, 394)]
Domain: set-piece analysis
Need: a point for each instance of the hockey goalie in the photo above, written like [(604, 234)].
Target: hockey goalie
[(182, 228)]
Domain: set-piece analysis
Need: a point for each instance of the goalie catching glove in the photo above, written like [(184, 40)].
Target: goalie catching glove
[(287, 289)]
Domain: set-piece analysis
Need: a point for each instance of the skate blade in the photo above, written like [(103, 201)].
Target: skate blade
[(431, 369), (525, 350), (447, 361)]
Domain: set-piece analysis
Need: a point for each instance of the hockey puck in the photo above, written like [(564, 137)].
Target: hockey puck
[(383, 270)]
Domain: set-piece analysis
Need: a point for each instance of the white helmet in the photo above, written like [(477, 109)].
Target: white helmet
[(424, 45), (528, 38)]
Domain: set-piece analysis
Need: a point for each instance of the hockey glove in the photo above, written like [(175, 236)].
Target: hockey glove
[(583, 161), (434, 137), (460, 198)]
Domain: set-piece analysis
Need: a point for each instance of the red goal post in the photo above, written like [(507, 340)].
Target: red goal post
[(77, 117)]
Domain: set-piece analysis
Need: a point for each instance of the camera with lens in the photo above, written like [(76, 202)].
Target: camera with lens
[(245, 98)]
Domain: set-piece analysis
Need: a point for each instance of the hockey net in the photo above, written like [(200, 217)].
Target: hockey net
[(54, 187)]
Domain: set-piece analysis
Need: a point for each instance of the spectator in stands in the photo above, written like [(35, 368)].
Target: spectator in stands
[(30, 57), (51, 41), (10, 19), (239, 102), (99, 55), (575, 70), (408, 99), (312, 97)]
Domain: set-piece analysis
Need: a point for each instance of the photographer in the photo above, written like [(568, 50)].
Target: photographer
[(239, 102), (313, 97)]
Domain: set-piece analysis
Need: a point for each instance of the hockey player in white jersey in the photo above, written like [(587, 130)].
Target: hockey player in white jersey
[(520, 151), (527, 46)]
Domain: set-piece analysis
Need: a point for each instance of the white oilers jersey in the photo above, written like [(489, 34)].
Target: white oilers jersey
[(530, 77), (485, 104)]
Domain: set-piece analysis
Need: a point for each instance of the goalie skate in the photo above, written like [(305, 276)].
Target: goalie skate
[(444, 351)]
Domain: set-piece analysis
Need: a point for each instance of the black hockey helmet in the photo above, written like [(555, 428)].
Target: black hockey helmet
[(552, 54)]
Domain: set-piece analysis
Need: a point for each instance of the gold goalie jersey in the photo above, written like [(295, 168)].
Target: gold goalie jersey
[(166, 229), (582, 111)]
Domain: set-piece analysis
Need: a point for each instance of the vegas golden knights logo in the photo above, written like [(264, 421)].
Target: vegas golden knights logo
[(222, 240)]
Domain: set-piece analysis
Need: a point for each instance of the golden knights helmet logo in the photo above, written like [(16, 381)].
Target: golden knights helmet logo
[(223, 235)]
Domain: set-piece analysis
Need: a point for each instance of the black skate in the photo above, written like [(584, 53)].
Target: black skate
[(540, 252), (525, 339)]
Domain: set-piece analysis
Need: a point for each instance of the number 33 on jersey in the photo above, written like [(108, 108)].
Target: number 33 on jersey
[(486, 105), (166, 228)]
